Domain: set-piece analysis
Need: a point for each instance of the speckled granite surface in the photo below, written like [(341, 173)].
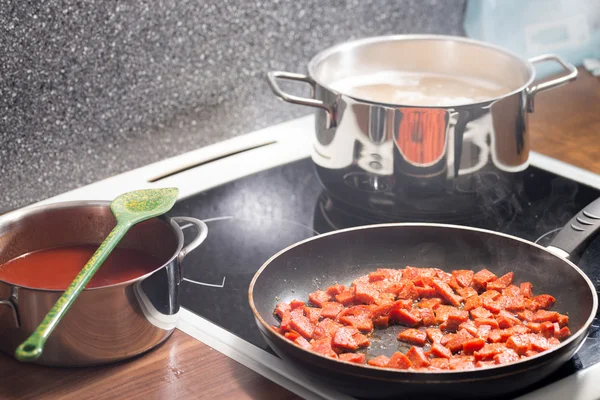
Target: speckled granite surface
[(92, 89)]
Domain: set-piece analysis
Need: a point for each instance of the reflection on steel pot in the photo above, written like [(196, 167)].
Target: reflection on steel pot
[(418, 111), (107, 323)]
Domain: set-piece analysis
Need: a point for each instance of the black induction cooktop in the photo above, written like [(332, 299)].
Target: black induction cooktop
[(252, 218)]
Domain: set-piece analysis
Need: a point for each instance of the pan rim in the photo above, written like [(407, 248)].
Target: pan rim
[(359, 367)]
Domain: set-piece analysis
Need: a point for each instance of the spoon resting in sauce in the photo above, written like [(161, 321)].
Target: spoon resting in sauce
[(129, 209)]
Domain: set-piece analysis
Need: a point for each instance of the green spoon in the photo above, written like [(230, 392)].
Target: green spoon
[(129, 209)]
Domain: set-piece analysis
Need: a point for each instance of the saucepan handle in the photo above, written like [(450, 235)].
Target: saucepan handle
[(304, 101), (13, 309), (201, 234), (582, 227), (571, 75)]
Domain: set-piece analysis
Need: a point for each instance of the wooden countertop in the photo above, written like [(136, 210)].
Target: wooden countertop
[(565, 125)]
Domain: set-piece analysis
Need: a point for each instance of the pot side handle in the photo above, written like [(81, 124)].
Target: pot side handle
[(582, 227), (562, 80), (201, 234), (311, 102), (13, 308)]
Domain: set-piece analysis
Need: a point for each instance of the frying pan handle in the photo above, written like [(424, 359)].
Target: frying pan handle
[(582, 227)]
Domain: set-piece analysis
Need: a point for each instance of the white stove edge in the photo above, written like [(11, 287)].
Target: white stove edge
[(276, 149)]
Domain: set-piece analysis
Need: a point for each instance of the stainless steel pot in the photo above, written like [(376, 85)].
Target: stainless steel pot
[(372, 152), (105, 324)]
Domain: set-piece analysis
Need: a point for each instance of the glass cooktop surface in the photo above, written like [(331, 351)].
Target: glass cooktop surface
[(252, 218)]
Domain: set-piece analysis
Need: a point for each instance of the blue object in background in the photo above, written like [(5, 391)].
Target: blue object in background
[(568, 28)]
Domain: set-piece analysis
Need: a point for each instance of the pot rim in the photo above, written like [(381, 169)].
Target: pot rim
[(344, 46), (102, 203)]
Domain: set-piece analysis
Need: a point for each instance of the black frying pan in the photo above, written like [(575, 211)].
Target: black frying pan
[(341, 256)]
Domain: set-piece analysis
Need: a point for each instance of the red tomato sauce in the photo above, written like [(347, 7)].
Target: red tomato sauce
[(56, 268)]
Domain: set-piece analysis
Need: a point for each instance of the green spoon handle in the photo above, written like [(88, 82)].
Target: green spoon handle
[(32, 348)]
